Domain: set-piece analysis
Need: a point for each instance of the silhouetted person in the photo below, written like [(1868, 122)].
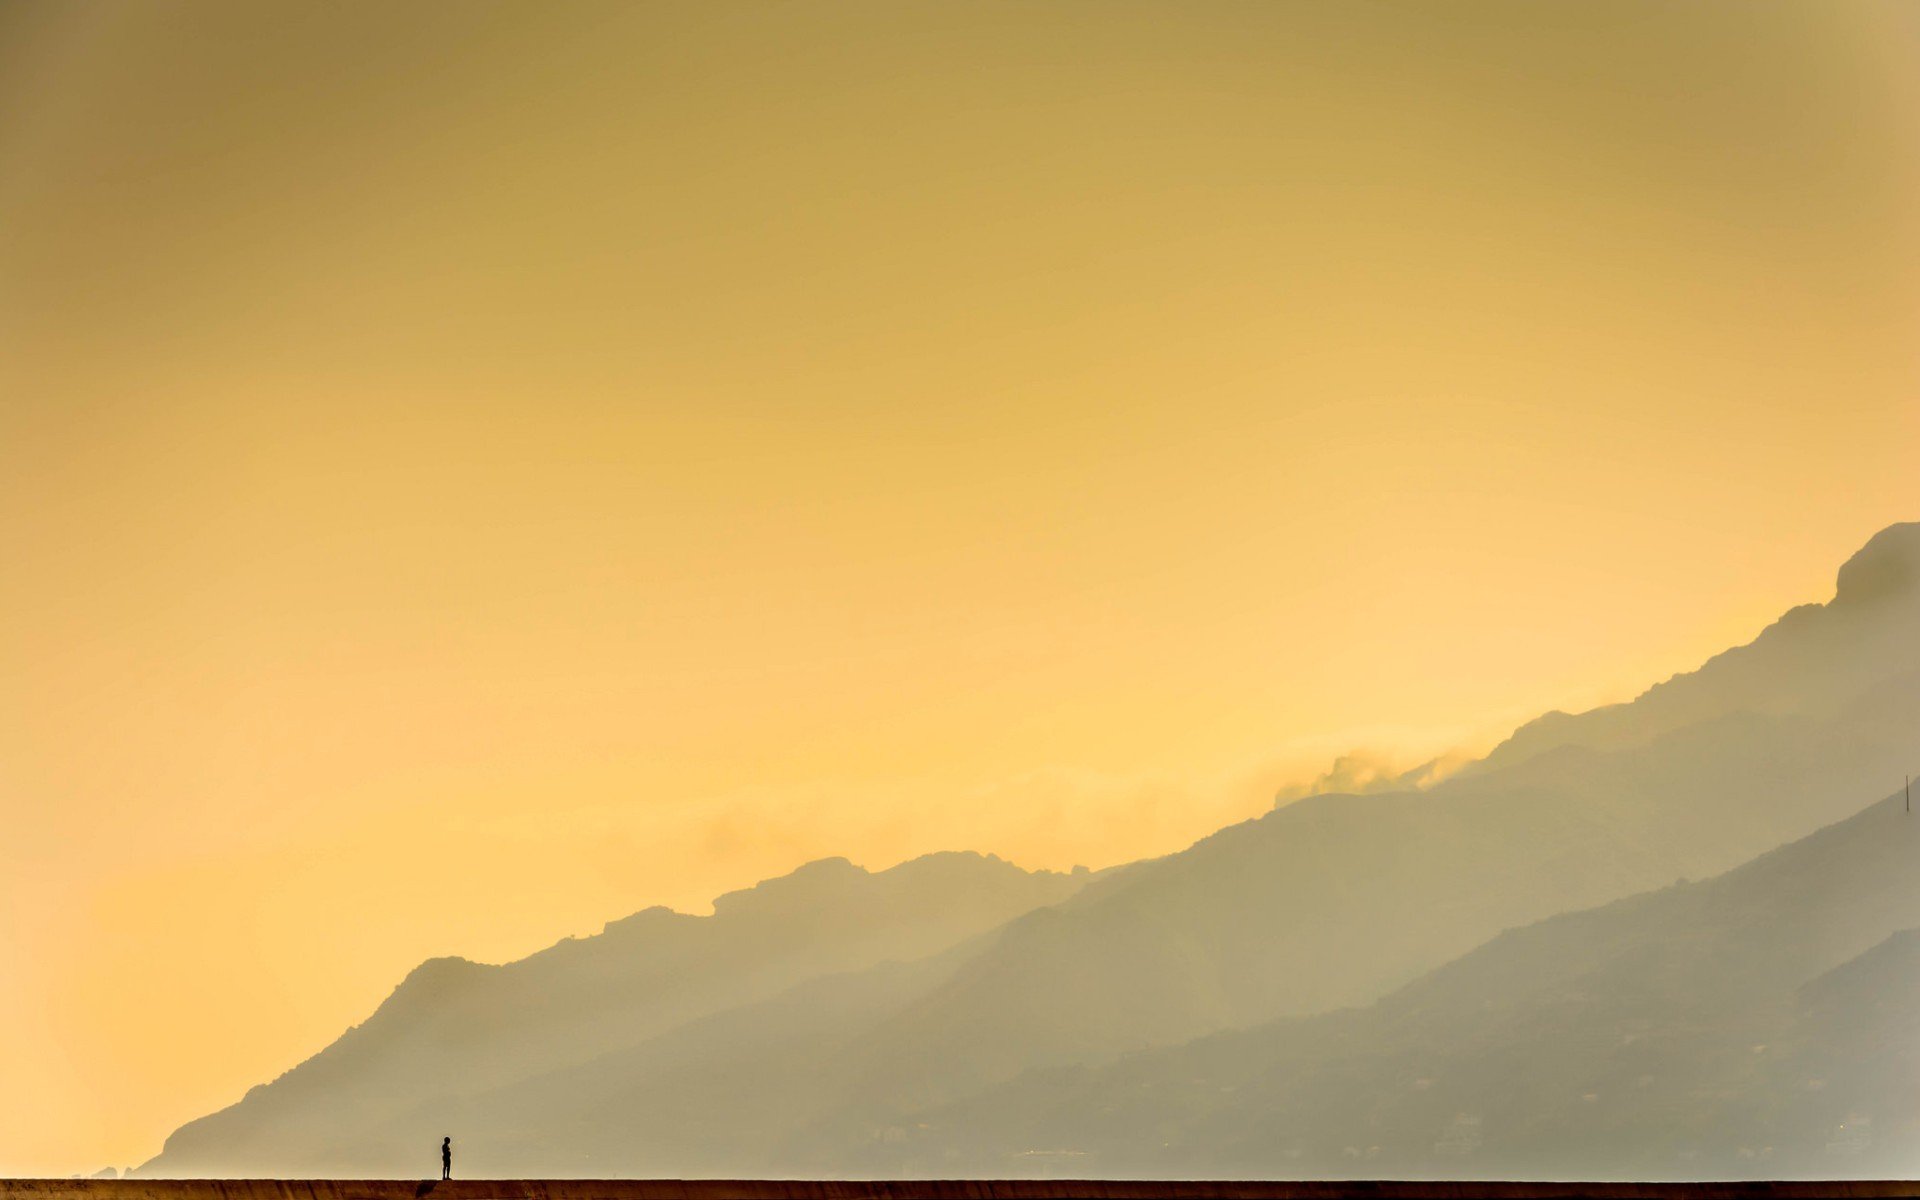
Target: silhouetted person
[(446, 1158)]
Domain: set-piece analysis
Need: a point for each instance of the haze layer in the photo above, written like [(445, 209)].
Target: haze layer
[(467, 472)]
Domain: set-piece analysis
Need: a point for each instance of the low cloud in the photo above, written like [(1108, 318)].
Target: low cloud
[(1361, 772)]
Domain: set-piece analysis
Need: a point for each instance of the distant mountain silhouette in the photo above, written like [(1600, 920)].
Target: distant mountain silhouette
[(776, 1063), (454, 1026), (1759, 1024), (1815, 660)]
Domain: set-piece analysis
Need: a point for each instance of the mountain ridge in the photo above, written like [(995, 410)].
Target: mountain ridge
[(579, 998), (1734, 1004), (1885, 569), (1328, 903)]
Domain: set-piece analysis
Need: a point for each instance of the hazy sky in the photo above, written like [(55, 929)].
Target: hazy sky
[(469, 472)]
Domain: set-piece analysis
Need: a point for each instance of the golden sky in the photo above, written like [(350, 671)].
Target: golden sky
[(468, 472)]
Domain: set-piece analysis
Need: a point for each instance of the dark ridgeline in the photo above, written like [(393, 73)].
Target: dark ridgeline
[(923, 1044)]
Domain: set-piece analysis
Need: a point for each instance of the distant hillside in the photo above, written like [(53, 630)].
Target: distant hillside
[(454, 1026), (1816, 659), (1326, 903), (1760, 1024), (1334, 900)]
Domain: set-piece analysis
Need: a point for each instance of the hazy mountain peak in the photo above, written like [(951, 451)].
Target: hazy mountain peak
[(829, 882), (437, 978), (809, 881), (1888, 565), (1814, 658), (652, 915), (943, 864)]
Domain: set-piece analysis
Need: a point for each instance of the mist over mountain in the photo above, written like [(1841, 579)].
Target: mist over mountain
[(994, 1021)]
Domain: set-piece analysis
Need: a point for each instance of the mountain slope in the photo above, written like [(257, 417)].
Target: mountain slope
[(1741, 1026), (1814, 661), (1334, 900), (453, 1026), (1329, 902)]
